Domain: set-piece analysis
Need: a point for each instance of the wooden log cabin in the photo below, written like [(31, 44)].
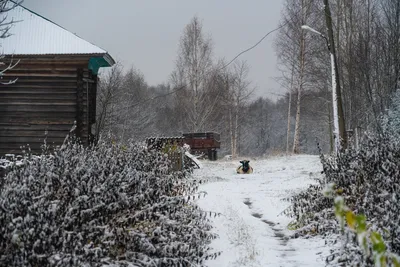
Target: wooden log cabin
[(55, 83)]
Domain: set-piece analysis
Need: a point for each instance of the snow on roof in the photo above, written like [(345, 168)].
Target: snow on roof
[(33, 34)]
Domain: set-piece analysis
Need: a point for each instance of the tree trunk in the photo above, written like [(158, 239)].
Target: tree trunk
[(330, 127), (288, 122), (289, 106), (296, 142), (231, 129), (341, 121), (236, 130)]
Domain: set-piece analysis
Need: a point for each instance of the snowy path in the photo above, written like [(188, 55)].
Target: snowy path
[(252, 232)]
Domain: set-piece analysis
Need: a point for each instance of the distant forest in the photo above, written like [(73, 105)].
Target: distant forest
[(204, 94)]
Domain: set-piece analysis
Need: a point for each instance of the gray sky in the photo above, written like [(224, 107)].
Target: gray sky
[(145, 33)]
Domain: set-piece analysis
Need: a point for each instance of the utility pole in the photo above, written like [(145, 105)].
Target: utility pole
[(334, 93), (339, 122)]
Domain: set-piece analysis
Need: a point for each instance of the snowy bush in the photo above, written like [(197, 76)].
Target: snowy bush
[(391, 120), (108, 205), (368, 181)]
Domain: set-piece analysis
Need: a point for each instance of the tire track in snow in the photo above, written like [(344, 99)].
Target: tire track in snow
[(256, 202), (278, 232)]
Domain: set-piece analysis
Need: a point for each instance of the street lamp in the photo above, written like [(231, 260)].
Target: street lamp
[(334, 93)]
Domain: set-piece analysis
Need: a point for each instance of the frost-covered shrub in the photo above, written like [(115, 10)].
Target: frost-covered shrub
[(108, 205), (391, 120), (374, 249), (368, 179), (312, 212)]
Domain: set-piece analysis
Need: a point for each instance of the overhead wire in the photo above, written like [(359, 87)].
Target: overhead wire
[(255, 45), (219, 69)]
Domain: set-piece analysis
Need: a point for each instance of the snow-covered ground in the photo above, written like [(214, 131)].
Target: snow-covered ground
[(252, 229)]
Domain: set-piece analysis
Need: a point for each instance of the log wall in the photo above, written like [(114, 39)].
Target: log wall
[(50, 94)]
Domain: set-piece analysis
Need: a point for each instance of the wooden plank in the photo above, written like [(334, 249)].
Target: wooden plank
[(41, 74), (49, 69), (36, 102), (60, 59), (55, 64), (30, 140), (14, 151), (41, 108), (34, 115), (37, 127), (41, 79), (45, 67), (24, 133), (48, 83), (38, 86), (36, 97), (35, 121), (68, 61), (16, 146), (17, 151), (13, 148), (50, 72), (51, 90)]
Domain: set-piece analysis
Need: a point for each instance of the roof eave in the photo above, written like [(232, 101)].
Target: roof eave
[(107, 57), (97, 62)]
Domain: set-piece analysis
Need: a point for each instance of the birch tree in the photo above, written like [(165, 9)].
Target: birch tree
[(293, 41), (192, 71), (240, 91), (287, 66), (367, 35)]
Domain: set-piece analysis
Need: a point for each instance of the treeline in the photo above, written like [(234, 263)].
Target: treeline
[(205, 93), (366, 35)]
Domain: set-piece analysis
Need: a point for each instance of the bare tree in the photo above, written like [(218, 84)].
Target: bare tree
[(239, 94), (287, 77), (192, 71), (366, 38), (294, 49), (108, 95), (390, 34), (135, 115), (5, 26)]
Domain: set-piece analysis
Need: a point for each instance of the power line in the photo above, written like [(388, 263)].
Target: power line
[(248, 49), (223, 67)]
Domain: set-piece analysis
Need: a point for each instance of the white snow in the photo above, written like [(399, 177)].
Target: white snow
[(32, 34), (192, 157), (246, 240)]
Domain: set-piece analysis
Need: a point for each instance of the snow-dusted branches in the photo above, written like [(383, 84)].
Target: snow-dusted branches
[(8, 66), (5, 26), (5, 22), (368, 180), (110, 205)]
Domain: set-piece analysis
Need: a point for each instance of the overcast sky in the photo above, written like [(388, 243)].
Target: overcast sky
[(145, 33)]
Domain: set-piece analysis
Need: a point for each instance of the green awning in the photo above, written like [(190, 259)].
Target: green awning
[(95, 63)]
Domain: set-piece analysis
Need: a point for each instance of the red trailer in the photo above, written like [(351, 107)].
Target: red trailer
[(206, 143)]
